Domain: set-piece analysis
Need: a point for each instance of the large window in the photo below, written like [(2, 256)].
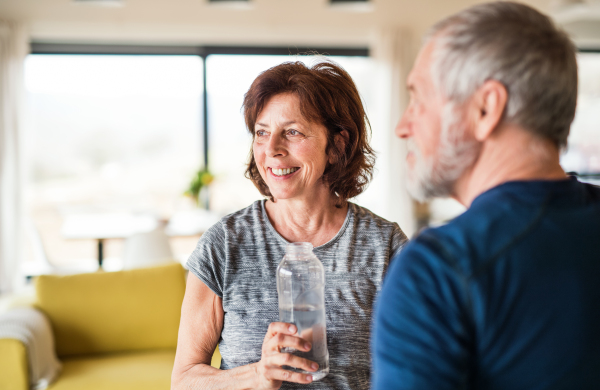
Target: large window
[(110, 134), (583, 153), (122, 135)]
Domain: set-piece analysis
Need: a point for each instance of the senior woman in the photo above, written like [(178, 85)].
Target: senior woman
[(310, 154)]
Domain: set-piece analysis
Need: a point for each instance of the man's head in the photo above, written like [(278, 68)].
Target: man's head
[(493, 64)]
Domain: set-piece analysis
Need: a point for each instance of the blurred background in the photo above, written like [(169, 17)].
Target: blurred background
[(125, 103)]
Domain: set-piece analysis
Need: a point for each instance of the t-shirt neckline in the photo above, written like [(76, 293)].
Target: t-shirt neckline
[(335, 238)]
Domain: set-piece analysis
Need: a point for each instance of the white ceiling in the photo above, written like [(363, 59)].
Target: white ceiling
[(265, 22)]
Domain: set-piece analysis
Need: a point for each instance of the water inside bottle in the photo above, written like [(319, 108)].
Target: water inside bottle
[(310, 321)]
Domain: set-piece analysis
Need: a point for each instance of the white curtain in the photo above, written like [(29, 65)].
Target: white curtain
[(13, 49), (394, 52)]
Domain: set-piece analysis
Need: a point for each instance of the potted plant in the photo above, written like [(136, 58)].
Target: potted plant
[(197, 189)]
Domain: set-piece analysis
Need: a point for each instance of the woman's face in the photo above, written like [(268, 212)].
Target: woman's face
[(289, 151)]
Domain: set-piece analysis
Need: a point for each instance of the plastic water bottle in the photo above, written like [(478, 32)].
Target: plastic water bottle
[(301, 290)]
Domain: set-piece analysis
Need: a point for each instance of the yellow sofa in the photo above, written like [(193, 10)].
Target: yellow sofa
[(112, 330)]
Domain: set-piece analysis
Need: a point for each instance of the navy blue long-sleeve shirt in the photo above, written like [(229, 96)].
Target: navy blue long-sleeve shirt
[(506, 296)]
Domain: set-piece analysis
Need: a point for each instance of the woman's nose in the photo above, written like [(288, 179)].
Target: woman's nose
[(275, 147)]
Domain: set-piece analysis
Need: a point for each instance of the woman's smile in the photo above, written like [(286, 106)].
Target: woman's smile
[(283, 172)]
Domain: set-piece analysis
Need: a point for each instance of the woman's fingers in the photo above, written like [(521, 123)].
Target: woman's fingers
[(283, 335), (280, 340), (279, 374), (287, 359), (280, 327)]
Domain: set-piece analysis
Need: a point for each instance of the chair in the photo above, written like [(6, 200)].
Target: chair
[(41, 264)]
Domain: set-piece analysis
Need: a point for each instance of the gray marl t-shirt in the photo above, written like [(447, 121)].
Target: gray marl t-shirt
[(237, 258)]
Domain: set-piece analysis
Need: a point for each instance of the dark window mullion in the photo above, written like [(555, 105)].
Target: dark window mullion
[(205, 112)]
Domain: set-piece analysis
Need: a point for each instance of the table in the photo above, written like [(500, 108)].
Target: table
[(102, 226)]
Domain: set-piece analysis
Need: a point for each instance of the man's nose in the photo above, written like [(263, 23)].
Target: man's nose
[(402, 129)]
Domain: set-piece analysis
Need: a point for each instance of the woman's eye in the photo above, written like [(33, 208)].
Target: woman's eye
[(260, 133), (294, 132)]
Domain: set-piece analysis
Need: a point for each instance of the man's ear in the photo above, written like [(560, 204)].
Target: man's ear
[(341, 139), (489, 104)]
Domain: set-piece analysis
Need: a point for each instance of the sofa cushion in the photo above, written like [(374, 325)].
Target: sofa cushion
[(148, 370), (113, 311)]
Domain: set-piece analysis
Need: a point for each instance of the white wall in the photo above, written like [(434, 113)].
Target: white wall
[(301, 22)]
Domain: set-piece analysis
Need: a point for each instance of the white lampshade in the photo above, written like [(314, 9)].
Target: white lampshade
[(147, 249)]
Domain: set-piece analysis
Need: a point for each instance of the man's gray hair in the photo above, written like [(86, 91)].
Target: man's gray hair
[(519, 47)]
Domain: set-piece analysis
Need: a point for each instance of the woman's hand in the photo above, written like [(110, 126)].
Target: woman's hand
[(271, 374)]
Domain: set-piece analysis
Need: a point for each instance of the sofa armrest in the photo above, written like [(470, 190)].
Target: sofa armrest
[(14, 374), (33, 331), (14, 368)]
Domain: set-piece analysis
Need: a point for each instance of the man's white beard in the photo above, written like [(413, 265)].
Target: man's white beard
[(435, 176)]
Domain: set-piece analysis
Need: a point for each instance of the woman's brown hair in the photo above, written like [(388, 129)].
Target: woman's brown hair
[(327, 96)]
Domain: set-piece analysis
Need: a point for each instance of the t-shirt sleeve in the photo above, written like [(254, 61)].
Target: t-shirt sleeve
[(399, 240), (207, 261), (420, 335)]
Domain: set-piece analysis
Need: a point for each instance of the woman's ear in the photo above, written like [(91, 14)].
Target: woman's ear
[(341, 139)]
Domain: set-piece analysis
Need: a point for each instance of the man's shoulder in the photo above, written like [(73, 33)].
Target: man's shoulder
[(472, 238), (501, 218)]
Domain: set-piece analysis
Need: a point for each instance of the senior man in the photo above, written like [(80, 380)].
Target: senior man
[(507, 295)]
